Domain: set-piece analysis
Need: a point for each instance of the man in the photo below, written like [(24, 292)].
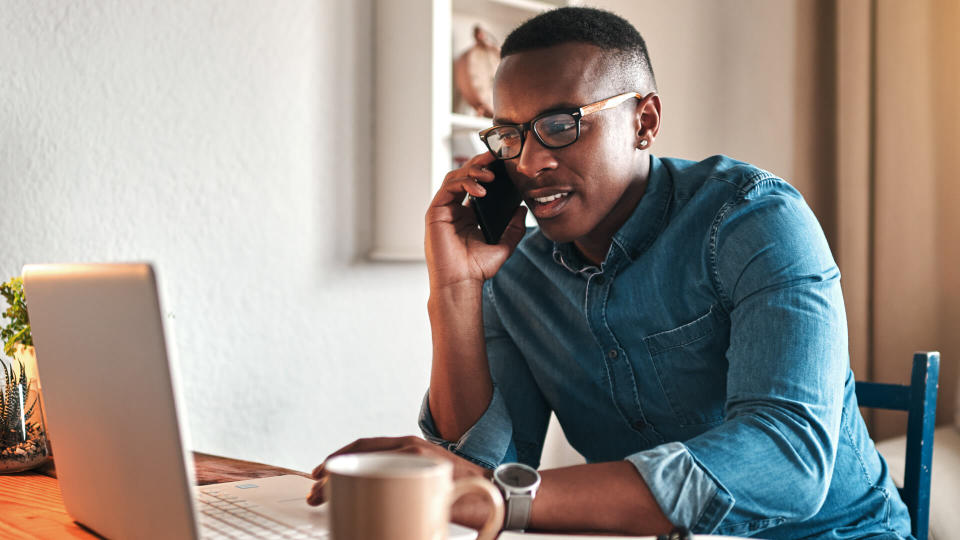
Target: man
[(683, 320)]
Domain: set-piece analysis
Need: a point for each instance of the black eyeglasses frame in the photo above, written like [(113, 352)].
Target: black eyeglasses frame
[(577, 114)]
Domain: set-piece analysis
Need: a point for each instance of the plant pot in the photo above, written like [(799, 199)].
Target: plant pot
[(23, 434)]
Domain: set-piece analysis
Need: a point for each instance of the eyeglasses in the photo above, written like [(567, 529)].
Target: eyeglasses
[(554, 129)]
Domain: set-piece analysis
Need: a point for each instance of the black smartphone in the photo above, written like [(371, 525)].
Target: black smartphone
[(495, 209)]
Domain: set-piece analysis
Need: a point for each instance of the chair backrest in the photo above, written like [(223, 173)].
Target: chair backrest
[(919, 399)]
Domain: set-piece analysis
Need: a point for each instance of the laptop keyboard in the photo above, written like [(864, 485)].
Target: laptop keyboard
[(228, 516)]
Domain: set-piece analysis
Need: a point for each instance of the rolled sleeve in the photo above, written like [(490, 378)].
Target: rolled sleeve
[(488, 442), (686, 492)]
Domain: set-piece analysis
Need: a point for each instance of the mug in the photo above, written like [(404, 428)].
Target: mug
[(386, 495)]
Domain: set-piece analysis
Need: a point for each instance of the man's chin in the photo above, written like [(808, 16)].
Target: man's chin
[(556, 231)]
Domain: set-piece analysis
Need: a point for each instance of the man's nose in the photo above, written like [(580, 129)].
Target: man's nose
[(534, 157)]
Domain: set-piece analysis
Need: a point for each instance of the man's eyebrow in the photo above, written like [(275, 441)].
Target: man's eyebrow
[(563, 105)]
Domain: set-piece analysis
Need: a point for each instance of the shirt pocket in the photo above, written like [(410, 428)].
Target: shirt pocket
[(691, 366)]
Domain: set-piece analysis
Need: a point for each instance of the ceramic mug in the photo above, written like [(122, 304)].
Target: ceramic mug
[(385, 495)]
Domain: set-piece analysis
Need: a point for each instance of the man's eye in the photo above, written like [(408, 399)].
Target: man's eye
[(510, 138), (558, 125)]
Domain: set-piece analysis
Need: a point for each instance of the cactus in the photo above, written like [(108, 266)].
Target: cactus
[(16, 409), (23, 440)]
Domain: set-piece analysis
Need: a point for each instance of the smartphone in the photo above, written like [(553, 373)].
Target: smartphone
[(495, 209)]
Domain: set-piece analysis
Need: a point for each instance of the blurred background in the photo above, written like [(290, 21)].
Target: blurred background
[(266, 157)]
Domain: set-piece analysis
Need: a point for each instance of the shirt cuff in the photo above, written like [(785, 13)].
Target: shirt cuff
[(486, 443), (687, 494)]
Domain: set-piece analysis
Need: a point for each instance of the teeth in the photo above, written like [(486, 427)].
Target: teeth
[(545, 200)]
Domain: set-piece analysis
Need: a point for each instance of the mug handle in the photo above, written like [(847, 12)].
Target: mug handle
[(494, 521)]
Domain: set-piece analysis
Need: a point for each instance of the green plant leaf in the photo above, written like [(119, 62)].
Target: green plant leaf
[(18, 329)]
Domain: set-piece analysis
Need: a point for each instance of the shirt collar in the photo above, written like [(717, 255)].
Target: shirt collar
[(638, 232)]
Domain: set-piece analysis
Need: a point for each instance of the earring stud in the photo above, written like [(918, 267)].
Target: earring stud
[(643, 143)]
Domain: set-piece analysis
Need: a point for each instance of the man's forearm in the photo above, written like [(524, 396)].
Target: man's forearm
[(610, 497), (460, 384)]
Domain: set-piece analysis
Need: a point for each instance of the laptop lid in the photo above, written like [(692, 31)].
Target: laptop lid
[(111, 399)]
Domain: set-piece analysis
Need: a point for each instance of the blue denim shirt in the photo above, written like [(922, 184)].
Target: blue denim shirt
[(709, 349)]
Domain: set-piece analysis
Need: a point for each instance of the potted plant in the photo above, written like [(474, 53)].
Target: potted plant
[(23, 438)]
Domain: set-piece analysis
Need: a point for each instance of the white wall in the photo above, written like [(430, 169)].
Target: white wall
[(228, 142)]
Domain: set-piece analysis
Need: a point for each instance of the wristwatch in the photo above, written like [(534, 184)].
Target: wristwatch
[(519, 484)]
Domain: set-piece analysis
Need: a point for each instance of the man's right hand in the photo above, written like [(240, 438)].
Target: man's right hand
[(456, 252)]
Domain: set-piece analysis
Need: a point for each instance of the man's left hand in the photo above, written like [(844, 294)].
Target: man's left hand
[(470, 510)]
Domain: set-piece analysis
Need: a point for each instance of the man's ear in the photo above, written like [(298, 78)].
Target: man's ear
[(647, 120)]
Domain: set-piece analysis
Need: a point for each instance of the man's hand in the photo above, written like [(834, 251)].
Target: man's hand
[(455, 250), (470, 510)]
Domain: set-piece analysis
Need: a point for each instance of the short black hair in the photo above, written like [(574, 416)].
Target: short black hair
[(597, 27)]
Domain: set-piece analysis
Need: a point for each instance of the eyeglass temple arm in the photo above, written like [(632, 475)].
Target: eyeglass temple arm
[(609, 103)]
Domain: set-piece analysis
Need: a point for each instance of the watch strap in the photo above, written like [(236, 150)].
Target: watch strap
[(518, 511)]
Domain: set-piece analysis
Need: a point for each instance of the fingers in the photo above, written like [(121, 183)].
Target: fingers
[(480, 172), (466, 179), (458, 183), (406, 445), (362, 446), (409, 444), (357, 446), (481, 160), (316, 498)]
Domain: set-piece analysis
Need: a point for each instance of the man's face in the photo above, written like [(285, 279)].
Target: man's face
[(592, 174)]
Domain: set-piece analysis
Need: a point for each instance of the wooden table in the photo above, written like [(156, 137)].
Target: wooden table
[(31, 505)]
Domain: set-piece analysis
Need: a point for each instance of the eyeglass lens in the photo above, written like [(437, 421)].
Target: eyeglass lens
[(553, 131)]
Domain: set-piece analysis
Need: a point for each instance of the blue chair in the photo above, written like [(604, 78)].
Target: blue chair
[(919, 399)]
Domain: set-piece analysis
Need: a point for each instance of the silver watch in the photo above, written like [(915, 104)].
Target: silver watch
[(519, 484)]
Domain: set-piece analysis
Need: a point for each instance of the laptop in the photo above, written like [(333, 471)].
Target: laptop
[(116, 419)]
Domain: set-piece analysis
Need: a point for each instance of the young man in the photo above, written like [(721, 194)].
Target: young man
[(683, 320)]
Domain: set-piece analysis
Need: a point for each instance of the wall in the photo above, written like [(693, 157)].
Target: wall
[(736, 77), (227, 142)]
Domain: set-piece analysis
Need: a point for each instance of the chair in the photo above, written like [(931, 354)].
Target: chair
[(919, 399)]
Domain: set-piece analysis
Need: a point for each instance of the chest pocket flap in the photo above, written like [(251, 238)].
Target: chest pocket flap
[(691, 365)]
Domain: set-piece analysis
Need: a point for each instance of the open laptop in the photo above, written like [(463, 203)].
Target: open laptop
[(117, 424)]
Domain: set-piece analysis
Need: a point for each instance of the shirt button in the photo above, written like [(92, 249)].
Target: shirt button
[(639, 425), (612, 353)]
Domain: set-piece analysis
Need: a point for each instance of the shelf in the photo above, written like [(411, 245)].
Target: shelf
[(533, 6), (415, 45), (514, 10), (463, 122)]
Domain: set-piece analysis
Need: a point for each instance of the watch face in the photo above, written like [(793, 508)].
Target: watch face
[(517, 477)]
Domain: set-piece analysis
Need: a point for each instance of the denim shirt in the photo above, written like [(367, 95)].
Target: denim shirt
[(709, 349)]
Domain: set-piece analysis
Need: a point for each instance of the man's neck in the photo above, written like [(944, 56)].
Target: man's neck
[(595, 245)]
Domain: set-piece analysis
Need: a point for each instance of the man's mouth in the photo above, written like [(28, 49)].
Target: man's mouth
[(549, 198), (548, 206)]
